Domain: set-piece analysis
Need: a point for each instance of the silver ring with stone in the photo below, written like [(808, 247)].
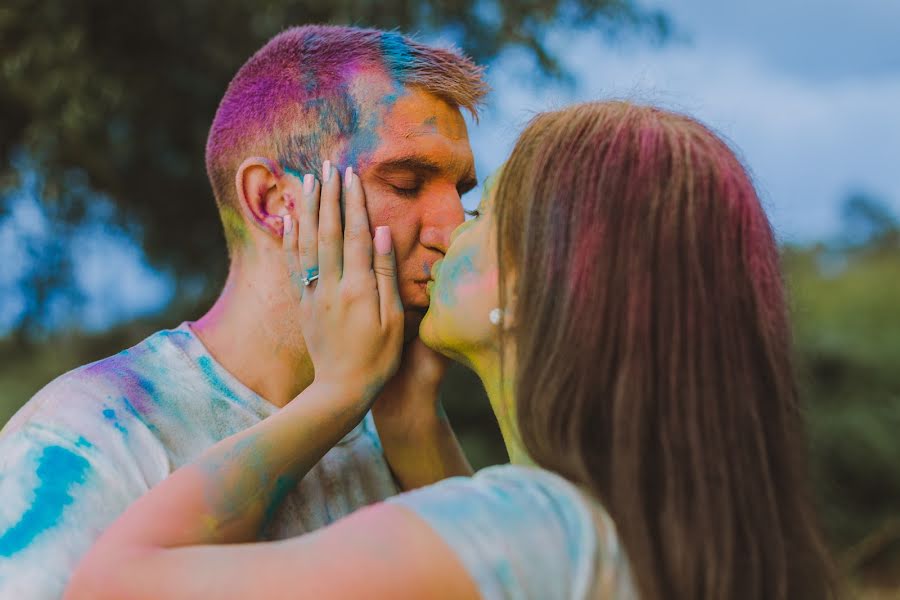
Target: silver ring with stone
[(311, 275)]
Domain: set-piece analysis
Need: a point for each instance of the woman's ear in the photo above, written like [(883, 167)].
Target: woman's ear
[(260, 185)]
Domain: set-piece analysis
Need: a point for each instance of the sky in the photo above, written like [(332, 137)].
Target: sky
[(807, 92), (810, 100)]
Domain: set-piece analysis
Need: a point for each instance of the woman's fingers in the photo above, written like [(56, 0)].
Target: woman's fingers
[(357, 238), (385, 267), (289, 230), (289, 246), (331, 246), (308, 229)]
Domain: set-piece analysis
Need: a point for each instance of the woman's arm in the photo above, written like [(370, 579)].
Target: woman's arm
[(162, 547), (226, 494), (384, 551)]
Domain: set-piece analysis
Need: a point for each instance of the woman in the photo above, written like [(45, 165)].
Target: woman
[(618, 292)]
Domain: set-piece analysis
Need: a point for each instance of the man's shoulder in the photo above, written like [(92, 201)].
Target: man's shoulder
[(127, 374)]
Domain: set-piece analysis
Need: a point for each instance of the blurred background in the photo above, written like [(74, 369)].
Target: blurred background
[(108, 229)]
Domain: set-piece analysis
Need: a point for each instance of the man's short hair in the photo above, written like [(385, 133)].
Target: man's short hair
[(295, 99)]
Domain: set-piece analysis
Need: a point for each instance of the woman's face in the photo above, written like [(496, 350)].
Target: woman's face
[(464, 289)]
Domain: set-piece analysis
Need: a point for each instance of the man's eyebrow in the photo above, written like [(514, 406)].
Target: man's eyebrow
[(409, 163)]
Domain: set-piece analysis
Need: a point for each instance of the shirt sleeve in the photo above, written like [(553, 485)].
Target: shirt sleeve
[(59, 492), (518, 532)]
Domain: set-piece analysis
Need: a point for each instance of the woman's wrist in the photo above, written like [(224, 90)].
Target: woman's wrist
[(352, 394)]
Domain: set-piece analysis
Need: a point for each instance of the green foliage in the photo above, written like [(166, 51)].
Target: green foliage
[(847, 328), (117, 98)]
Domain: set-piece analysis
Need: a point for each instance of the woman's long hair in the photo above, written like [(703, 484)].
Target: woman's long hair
[(656, 365)]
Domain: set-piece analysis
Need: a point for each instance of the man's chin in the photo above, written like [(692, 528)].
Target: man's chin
[(412, 318)]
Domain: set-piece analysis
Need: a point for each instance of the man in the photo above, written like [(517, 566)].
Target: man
[(313, 100)]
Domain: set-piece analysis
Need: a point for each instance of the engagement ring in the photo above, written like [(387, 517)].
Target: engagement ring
[(311, 275)]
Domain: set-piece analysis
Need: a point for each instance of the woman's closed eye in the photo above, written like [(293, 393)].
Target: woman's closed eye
[(474, 213)]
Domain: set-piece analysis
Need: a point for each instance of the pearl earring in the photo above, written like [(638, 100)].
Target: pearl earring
[(496, 316)]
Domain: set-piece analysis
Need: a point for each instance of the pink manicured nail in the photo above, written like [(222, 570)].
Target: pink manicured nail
[(288, 224), (326, 171), (383, 243), (348, 176), (308, 183)]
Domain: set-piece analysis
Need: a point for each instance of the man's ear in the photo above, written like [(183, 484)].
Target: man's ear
[(259, 183)]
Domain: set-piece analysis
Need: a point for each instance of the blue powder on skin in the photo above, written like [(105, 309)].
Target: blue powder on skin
[(365, 138), (283, 485), (451, 275), (59, 470)]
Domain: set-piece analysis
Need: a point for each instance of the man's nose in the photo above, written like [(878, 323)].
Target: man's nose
[(439, 223)]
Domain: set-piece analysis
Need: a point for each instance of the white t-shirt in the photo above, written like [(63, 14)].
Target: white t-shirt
[(524, 533), (95, 439)]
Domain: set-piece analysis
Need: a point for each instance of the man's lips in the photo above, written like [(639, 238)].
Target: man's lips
[(429, 284)]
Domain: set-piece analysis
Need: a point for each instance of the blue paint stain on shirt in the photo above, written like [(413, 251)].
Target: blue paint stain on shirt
[(147, 385), (209, 370), (110, 415), (59, 469), (130, 409)]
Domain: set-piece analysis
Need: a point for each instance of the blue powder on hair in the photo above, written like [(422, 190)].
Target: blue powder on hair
[(398, 56)]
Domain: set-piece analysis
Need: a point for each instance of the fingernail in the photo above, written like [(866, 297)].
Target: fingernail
[(326, 171), (308, 183), (288, 224), (383, 240), (348, 176)]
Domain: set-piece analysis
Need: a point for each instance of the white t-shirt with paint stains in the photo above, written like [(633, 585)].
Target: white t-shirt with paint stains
[(524, 533), (95, 439)]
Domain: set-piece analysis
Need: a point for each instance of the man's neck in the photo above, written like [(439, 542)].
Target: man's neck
[(252, 331)]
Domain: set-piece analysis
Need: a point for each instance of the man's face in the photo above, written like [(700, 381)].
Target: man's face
[(414, 180)]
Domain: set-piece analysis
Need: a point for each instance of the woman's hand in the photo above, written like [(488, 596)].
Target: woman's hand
[(351, 315)]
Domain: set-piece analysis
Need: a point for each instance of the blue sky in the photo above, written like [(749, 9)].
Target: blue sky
[(807, 92)]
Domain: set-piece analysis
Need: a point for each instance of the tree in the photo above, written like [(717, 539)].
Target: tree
[(869, 222), (847, 339), (115, 99)]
